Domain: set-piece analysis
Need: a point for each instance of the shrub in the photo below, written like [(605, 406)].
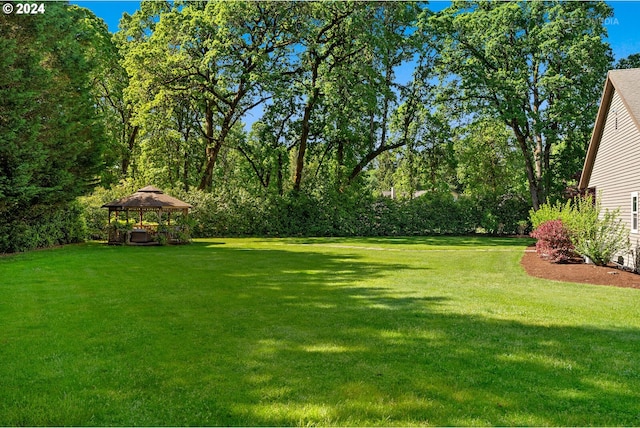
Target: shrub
[(579, 213), (594, 234), (95, 216), (548, 211), (502, 214), (603, 238), (325, 212), (554, 242), (41, 226), (635, 254)]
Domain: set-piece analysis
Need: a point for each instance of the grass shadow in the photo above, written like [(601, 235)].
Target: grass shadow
[(222, 335), (435, 241)]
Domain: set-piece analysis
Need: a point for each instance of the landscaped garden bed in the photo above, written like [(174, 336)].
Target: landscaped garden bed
[(578, 271)]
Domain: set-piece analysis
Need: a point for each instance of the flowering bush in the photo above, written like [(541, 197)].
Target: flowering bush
[(554, 241)]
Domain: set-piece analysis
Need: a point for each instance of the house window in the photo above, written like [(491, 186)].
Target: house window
[(634, 212)]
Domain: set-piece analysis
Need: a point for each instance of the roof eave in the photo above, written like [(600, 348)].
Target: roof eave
[(596, 136)]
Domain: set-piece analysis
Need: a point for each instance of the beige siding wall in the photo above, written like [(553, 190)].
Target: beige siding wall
[(616, 171)]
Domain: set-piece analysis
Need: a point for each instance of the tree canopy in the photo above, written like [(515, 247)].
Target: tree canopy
[(536, 66), (273, 101), (52, 137)]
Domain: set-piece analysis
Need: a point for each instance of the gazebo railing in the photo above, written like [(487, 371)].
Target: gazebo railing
[(146, 234)]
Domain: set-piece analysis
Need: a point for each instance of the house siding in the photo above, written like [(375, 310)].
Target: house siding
[(616, 167)]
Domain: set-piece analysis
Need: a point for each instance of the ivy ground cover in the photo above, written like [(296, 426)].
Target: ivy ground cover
[(404, 331)]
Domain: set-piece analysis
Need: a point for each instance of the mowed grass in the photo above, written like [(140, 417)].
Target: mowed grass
[(407, 331)]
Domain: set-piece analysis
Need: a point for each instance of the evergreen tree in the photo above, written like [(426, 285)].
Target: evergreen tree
[(51, 137)]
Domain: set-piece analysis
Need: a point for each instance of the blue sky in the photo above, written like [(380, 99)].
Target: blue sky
[(623, 27)]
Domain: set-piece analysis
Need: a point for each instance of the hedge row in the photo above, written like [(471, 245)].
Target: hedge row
[(42, 226), (341, 215), (290, 215)]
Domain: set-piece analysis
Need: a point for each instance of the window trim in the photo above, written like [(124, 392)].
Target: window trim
[(634, 212)]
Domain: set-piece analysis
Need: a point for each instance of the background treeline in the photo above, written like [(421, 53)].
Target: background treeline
[(293, 118)]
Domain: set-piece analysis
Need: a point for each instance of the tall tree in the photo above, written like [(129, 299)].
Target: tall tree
[(110, 81), (536, 66), (170, 151), (51, 136), (344, 86), (321, 40), (392, 117), (222, 55)]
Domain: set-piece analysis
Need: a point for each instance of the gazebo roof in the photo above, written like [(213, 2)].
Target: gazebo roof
[(150, 198)]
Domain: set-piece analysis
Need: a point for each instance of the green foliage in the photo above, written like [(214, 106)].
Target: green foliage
[(595, 234), (579, 213), (347, 214), (235, 212), (197, 70), (632, 61), (42, 226), (95, 216), (603, 239), (162, 237), (182, 232), (635, 257), (488, 160), (489, 101), (548, 211), (537, 67), (503, 214), (51, 134)]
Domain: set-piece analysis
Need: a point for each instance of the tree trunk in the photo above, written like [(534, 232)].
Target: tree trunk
[(212, 152), (185, 172), (302, 146), (370, 157), (531, 163), (280, 180), (126, 159), (531, 172), (306, 118), (340, 168)]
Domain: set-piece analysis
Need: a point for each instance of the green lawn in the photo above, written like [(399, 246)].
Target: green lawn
[(413, 331)]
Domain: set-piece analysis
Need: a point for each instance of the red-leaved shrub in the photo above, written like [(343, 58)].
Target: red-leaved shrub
[(554, 242)]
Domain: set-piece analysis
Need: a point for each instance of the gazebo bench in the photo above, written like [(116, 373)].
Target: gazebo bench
[(139, 236)]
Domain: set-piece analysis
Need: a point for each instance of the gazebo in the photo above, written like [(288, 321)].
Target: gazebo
[(148, 199)]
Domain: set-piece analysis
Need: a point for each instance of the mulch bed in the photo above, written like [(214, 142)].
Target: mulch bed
[(577, 271)]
